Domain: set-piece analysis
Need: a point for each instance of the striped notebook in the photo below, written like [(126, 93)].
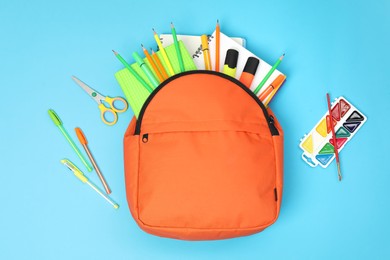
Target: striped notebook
[(134, 92)]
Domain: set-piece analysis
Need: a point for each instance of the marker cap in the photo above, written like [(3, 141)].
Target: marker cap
[(231, 58), (251, 65)]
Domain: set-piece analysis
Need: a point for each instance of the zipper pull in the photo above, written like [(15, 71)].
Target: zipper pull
[(274, 130), (271, 119), (145, 138)]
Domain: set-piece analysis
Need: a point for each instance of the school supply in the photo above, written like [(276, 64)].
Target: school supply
[(84, 143), (134, 92), (80, 175), (145, 69), (266, 77), (268, 94), (153, 64), (164, 54), (133, 72), (227, 43), (159, 65), (318, 145), (230, 66), (249, 71), (57, 121), (178, 53), (217, 44), (206, 53), (193, 45), (335, 148), (204, 160), (115, 105)]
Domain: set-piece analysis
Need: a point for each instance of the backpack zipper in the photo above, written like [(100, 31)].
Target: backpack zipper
[(270, 119)]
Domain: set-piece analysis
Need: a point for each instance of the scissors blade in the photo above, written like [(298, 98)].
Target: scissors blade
[(91, 92)]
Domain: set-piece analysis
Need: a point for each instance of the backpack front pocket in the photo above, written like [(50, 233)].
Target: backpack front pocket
[(206, 179)]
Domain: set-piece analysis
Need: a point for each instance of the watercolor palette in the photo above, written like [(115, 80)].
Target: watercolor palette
[(318, 145)]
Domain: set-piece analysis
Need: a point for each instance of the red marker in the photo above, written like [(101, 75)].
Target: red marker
[(249, 71)]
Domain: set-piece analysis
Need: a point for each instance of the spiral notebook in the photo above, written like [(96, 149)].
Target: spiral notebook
[(193, 43), (194, 46)]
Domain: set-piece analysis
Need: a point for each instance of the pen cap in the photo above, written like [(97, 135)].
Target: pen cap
[(76, 171), (81, 136), (56, 119), (138, 58), (251, 65), (205, 43), (231, 58), (278, 81)]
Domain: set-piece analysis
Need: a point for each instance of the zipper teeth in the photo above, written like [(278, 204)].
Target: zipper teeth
[(137, 131)]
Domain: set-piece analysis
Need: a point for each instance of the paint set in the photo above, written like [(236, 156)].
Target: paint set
[(318, 145)]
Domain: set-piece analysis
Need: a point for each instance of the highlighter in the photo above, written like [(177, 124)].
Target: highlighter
[(145, 69), (249, 71), (230, 66)]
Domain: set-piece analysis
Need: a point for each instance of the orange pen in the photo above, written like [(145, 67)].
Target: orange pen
[(249, 71), (271, 90), (154, 66), (159, 65), (84, 143)]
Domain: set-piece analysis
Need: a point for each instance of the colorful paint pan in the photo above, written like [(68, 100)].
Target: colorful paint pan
[(318, 145)]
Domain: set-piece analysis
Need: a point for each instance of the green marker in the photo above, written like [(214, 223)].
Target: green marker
[(145, 69), (268, 74), (177, 47), (57, 121), (132, 71)]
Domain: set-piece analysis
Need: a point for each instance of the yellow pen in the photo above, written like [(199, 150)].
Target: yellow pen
[(80, 175), (206, 52), (164, 54)]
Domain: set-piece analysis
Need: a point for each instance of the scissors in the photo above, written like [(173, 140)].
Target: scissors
[(105, 110)]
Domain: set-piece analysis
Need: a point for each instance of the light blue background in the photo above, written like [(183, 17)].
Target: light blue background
[(336, 46)]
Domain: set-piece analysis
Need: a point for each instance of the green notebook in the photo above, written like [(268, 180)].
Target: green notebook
[(134, 92)]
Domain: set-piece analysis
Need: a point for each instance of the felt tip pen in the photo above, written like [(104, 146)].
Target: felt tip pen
[(230, 66), (275, 86), (84, 143), (249, 71), (57, 121), (133, 72), (145, 69), (80, 175), (206, 52), (273, 68)]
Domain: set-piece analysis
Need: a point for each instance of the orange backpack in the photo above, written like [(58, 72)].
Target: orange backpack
[(204, 160)]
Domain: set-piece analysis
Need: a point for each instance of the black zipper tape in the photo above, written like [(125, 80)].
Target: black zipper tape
[(270, 119)]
